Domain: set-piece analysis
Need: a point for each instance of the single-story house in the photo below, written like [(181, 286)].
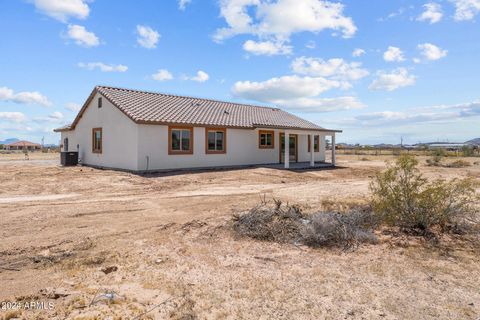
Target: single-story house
[(22, 145), (146, 131)]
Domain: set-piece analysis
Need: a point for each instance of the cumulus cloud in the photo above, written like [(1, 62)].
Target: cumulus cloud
[(25, 97), (311, 45), (55, 117), (82, 37), (72, 106), (182, 4), (466, 9), (393, 80), (267, 48), (162, 75), (358, 52), (296, 93), (393, 54), (62, 10), (201, 76), (278, 20), (431, 52), (333, 68), (420, 115), (147, 37), (103, 67), (13, 116), (283, 88), (433, 13)]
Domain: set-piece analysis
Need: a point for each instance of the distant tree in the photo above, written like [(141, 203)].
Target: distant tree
[(2, 146)]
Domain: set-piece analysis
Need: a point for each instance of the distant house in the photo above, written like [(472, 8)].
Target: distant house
[(141, 131), (22, 145)]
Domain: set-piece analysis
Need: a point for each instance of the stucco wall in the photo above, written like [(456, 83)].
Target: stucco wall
[(242, 149), (120, 137)]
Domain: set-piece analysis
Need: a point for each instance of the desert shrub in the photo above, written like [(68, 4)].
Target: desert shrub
[(459, 164), (339, 229), (402, 197), (286, 223), (436, 158), (278, 222), (468, 151)]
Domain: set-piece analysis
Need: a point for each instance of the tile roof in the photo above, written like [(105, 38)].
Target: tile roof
[(158, 108), (23, 143)]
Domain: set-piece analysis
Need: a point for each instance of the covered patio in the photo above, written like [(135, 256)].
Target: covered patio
[(313, 163)]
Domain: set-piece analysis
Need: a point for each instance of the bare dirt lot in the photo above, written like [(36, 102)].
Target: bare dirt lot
[(101, 244)]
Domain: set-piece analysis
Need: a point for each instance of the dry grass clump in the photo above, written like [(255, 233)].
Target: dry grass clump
[(326, 229), (277, 222), (288, 224), (459, 164), (403, 198)]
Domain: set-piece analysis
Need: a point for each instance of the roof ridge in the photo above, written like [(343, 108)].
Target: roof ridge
[(190, 97)]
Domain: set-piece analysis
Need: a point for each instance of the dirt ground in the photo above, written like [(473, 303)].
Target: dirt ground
[(99, 244)]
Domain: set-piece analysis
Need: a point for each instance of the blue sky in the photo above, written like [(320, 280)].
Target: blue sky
[(379, 71)]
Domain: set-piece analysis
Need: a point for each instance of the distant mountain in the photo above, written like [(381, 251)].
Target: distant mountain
[(10, 140), (474, 141)]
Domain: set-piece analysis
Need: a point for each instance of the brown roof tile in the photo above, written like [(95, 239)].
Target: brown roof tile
[(158, 108)]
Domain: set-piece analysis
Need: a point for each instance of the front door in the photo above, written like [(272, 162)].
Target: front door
[(292, 148)]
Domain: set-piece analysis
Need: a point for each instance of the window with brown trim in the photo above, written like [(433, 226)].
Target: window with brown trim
[(316, 143), (97, 140), (266, 139), (180, 140), (215, 140)]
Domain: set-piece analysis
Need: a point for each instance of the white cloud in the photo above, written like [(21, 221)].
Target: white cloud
[(63, 9), (433, 13), (25, 97), (466, 9), (147, 37), (201, 76), (278, 20), (72, 106), (296, 93), (13, 116), (336, 68), (358, 52), (162, 75), (393, 54), (396, 79), (311, 45), (56, 115), (431, 52), (82, 37), (321, 104), (182, 4), (420, 115), (267, 48), (283, 88), (103, 67)]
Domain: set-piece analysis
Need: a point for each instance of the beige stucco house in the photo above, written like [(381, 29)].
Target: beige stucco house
[(145, 131)]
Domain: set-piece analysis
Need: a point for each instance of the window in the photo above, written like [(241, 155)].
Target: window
[(100, 102), (216, 140), (65, 144), (97, 140), (180, 140), (266, 139), (316, 143)]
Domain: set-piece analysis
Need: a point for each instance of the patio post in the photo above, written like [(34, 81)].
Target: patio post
[(287, 150), (333, 150), (312, 150)]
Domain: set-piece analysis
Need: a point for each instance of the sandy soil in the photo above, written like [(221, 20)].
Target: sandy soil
[(101, 244)]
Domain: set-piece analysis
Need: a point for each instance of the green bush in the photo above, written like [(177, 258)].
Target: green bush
[(402, 197)]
